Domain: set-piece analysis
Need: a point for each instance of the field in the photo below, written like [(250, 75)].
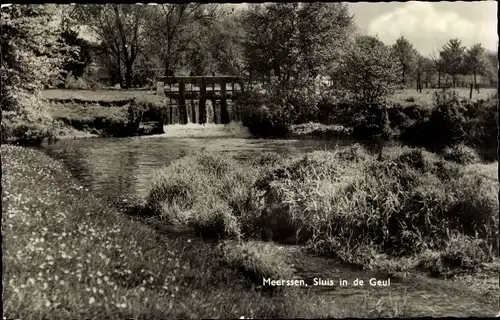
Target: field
[(401, 96), (411, 96), (99, 95)]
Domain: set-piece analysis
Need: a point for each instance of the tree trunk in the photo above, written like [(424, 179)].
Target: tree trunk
[(475, 82), (168, 70), (128, 76), (439, 79), (119, 71)]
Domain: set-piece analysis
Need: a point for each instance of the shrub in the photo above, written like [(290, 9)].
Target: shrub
[(215, 219), (262, 115), (402, 204), (257, 261), (21, 129), (208, 192), (30, 60), (461, 154), (89, 80), (370, 122), (145, 110), (272, 113), (460, 254)]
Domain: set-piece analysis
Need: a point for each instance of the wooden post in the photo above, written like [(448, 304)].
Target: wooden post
[(193, 108), (471, 87), (182, 102), (203, 100), (223, 105), (233, 113), (213, 103)]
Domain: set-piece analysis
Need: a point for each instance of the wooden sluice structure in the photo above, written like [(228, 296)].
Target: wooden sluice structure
[(164, 86)]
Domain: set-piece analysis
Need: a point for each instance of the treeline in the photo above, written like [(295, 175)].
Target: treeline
[(293, 55), (133, 43)]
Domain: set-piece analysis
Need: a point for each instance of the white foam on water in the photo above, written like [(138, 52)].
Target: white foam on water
[(210, 130)]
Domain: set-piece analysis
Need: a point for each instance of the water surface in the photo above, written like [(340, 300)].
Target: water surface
[(125, 166)]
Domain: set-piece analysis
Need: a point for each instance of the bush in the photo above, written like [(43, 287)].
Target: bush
[(402, 204), (30, 61), (345, 203), (26, 123), (257, 261), (452, 122), (88, 81), (144, 110), (371, 122), (261, 115), (208, 192), (215, 219), (272, 113), (460, 254), (112, 121), (461, 154)]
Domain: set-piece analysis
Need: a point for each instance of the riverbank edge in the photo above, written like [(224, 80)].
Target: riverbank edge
[(49, 173)]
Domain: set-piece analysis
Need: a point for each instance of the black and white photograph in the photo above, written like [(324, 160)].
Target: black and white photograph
[(187, 160)]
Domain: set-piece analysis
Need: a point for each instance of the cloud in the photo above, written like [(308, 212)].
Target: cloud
[(428, 29)]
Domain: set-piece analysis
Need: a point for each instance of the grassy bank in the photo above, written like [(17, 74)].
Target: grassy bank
[(119, 118), (405, 209), (425, 98), (68, 254), (443, 120)]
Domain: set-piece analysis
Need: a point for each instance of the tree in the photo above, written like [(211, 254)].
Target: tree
[(295, 41), (475, 61), (120, 28), (423, 64), (31, 57), (173, 30), (405, 54), (492, 66), (368, 72), (452, 55), (80, 55)]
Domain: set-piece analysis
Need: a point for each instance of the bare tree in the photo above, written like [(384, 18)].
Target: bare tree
[(174, 28)]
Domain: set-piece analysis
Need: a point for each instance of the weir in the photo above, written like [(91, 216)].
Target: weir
[(197, 86)]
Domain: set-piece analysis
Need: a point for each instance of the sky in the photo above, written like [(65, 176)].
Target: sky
[(428, 25)]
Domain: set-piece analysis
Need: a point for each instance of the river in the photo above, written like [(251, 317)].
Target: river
[(125, 166)]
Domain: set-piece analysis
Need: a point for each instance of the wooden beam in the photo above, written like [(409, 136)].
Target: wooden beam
[(182, 103), (197, 79), (223, 105), (203, 105)]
